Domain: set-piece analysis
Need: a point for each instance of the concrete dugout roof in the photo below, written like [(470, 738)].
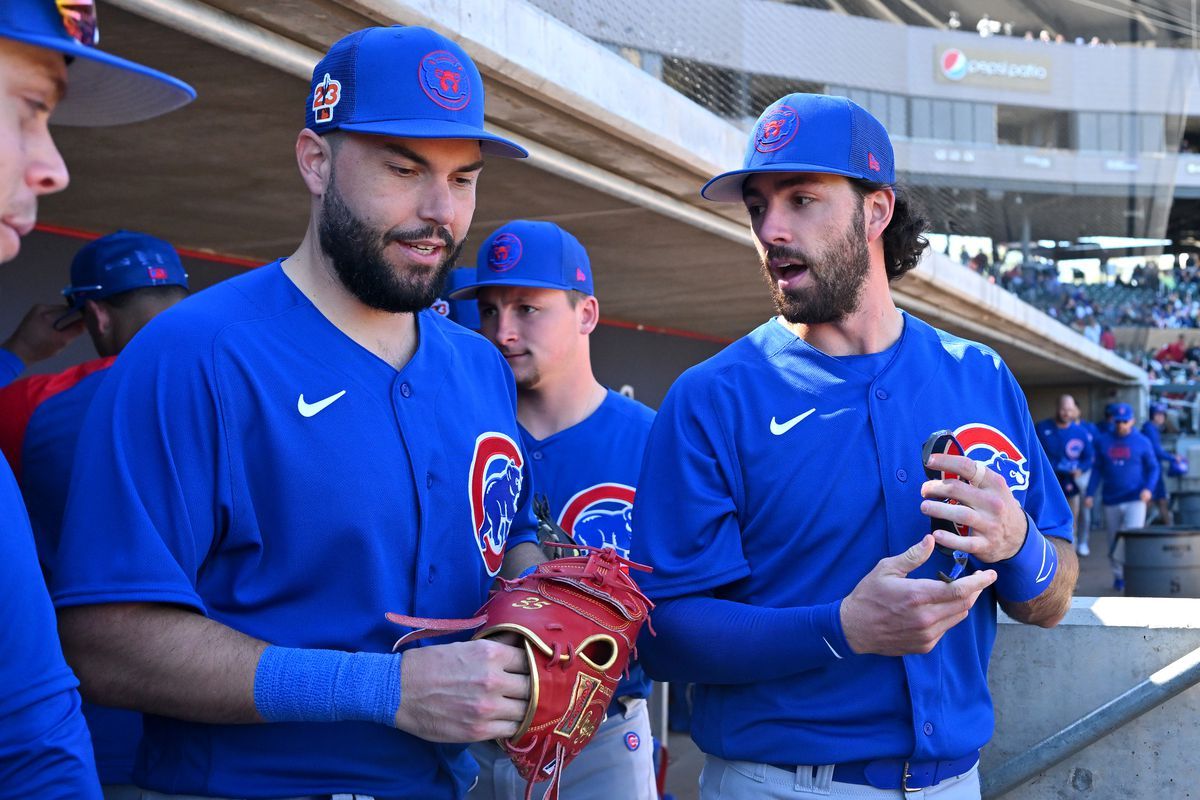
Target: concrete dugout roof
[(618, 159)]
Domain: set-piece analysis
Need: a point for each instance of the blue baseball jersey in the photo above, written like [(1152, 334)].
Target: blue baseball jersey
[(589, 474), (1068, 449), (45, 750), (1125, 465), (778, 476), (41, 418), (247, 460)]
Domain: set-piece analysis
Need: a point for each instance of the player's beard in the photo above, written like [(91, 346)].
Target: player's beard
[(838, 274), (357, 253)]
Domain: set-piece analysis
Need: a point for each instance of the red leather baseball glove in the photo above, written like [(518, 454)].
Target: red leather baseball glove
[(578, 619)]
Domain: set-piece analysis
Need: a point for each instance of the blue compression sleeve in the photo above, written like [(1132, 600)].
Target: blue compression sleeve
[(697, 634), (1031, 571), (301, 685)]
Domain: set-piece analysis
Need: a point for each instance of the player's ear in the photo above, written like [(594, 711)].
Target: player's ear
[(877, 212), (588, 314), (314, 157), (97, 318)]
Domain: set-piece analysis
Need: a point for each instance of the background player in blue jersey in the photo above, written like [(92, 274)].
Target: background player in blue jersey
[(533, 281), (1128, 469), (783, 508), (1152, 429), (286, 456), (119, 283), (1069, 447), (46, 48)]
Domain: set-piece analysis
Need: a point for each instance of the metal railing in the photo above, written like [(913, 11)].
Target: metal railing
[(1176, 677)]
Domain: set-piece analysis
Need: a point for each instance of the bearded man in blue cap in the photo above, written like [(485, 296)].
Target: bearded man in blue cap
[(783, 510), (290, 454), (50, 72)]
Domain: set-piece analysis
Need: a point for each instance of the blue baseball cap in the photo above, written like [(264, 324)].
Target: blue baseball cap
[(1122, 412), (1158, 408), (120, 262), (537, 254), (811, 133), (101, 88), (401, 81), (464, 312)]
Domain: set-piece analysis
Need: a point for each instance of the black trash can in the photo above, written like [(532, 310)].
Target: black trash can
[(1187, 508), (1162, 561)]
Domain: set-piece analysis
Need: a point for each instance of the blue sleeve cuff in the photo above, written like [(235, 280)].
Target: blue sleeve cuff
[(302, 685), (10, 366), (827, 623), (1031, 571)]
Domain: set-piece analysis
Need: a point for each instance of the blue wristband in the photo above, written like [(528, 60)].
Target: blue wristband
[(1031, 571), (301, 685)]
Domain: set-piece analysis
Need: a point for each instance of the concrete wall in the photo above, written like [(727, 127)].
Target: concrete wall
[(745, 35), (1042, 681)]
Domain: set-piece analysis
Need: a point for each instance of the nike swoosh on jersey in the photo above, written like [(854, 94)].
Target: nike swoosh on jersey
[(312, 409), (781, 428)]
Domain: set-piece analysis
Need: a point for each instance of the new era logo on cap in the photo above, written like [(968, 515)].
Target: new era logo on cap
[(872, 162), (445, 80)]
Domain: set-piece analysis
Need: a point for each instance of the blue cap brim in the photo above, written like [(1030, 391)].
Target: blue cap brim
[(489, 143), (727, 187), (471, 290), (103, 89)]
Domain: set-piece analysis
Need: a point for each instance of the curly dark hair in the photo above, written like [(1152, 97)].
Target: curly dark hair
[(903, 240)]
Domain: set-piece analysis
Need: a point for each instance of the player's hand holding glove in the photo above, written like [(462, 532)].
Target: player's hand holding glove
[(578, 620)]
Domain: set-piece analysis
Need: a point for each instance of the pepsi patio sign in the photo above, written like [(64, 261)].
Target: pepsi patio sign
[(994, 69)]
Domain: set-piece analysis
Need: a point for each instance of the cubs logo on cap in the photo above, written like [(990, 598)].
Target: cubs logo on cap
[(445, 80), (775, 129), (505, 252)]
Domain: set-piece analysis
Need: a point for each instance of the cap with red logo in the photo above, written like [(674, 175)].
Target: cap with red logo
[(811, 133), (121, 262), (102, 88), (536, 254), (408, 82)]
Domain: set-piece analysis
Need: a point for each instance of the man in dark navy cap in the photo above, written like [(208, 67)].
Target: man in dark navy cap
[(290, 454), (50, 72), (784, 509), (118, 284)]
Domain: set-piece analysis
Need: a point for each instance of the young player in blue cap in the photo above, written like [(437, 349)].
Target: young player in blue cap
[(1127, 468), (533, 281), (50, 71), (1069, 447), (119, 283), (290, 454), (783, 508)]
